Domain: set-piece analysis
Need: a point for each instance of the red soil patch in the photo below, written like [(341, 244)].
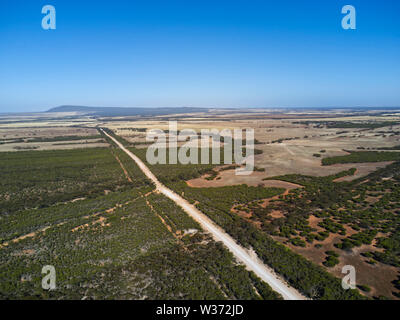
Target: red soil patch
[(229, 178), (378, 276), (363, 169), (276, 214)]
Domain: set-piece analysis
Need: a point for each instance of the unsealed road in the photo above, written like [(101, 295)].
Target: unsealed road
[(250, 260)]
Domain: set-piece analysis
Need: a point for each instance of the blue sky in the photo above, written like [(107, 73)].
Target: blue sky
[(199, 53)]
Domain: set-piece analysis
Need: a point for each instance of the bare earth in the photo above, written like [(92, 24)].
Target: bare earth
[(229, 178)]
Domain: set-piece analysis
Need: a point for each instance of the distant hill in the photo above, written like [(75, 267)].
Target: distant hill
[(114, 111)]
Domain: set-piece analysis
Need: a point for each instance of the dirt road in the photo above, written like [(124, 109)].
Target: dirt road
[(249, 259)]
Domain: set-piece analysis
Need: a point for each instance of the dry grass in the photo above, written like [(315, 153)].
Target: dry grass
[(289, 156), (48, 132)]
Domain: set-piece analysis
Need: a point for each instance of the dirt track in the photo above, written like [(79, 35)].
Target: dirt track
[(249, 259)]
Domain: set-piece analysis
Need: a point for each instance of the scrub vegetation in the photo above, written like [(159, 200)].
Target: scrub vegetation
[(94, 216)]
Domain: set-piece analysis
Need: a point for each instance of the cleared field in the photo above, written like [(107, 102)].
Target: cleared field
[(287, 145), (45, 132), (229, 178), (65, 145), (53, 138)]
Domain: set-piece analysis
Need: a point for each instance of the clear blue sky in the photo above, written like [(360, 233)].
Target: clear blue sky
[(199, 53)]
